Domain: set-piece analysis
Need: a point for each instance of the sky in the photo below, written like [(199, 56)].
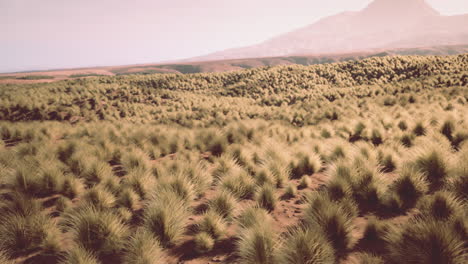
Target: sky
[(54, 34)]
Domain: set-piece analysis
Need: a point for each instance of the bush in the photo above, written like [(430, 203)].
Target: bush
[(304, 246)]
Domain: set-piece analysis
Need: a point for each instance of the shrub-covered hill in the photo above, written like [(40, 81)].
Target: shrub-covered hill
[(235, 95)]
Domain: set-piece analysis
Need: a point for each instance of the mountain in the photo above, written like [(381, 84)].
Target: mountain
[(383, 24)]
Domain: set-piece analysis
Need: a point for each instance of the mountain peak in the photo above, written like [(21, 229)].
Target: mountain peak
[(415, 8)]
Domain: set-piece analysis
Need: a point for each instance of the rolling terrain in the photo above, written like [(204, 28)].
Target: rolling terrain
[(221, 66), (354, 162)]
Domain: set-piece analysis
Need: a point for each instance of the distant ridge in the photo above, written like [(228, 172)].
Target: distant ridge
[(383, 24), (223, 65)]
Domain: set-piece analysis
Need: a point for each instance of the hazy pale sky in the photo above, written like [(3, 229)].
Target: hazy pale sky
[(49, 34)]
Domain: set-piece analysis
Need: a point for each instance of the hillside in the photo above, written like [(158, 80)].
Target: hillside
[(134, 97), (384, 24), (352, 162)]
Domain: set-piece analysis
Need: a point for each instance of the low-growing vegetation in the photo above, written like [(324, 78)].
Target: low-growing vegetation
[(353, 162)]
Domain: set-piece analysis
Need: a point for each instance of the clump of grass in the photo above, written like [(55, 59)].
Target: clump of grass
[(135, 160), (4, 259), (213, 224), (338, 189), (409, 188), (367, 189), (304, 246), (426, 241), (441, 206), (373, 240), (224, 204), (143, 248), (239, 183), (305, 182), (141, 182), (407, 140), (364, 258), (433, 163), (333, 221), (218, 146), (266, 197), (180, 185), (257, 245), (72, 187), (62, 204), (128, 199), (305, 164), (96, 230), (290, 191), (264, 176), (387, 161), (79, 255), (165, 217), (419, 129), (252, 216), (402, 125), (96, 172), (99, 198), (20, 234), (376, 137), (447, 129), (204, 243)]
